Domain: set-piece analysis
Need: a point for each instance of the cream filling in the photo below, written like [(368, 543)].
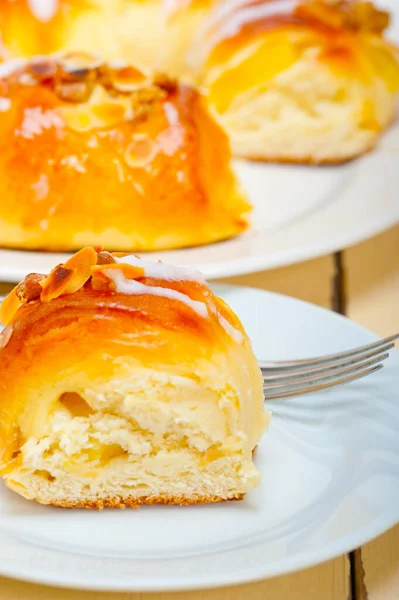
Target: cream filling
[(109, 455), (89, 445), (308, 111), (141, 432)]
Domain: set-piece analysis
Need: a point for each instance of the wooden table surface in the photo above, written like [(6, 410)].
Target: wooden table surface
[(362, 282)]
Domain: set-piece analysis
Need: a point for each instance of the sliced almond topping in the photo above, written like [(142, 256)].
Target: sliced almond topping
[(165, 83), (27, 79), (117, 64), (101, 283), (122, 254), (74, 91), (61, 281), (370, 17), (75, 76), (69, 277), (79, 64), (105, 258), (9, 307), (340, 14), (142, 101), (109, 113), (30, 289), (129, 271), (5, 336), (79, 119), (42, 68), (101, 110), (141, 151), (149, 95), (56, 283), (82, 260), (127, 79), (328, 15)]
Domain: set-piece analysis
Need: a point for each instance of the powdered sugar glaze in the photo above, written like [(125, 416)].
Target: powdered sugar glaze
[(162, 271), (233, 15), (170, 273), (132, 287)]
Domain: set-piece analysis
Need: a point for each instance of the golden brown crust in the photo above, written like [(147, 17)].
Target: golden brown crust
[(46, 339), (131, 502), (86, 281), (79, 299), (357, 15), (86, 323), (72, 76), (343, 32), (25, 32), (123, 358), (318, 16), (115, 158), (334, 49)]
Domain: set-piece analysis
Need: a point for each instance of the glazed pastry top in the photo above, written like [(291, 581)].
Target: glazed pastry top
[(175, 297), (248, 42)]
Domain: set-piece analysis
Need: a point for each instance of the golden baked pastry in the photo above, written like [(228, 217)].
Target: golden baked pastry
[(102, 154), (307, 81), (152, 33), (126, 382)]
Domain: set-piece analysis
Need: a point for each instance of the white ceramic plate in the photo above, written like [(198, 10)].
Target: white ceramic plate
[(300, 213), (330, 482)]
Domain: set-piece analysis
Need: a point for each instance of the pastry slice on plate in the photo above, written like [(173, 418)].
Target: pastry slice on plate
[(311, 81), (126, 382), (151, 33), (104, 154)]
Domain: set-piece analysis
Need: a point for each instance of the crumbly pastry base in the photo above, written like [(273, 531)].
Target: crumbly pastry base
[(132, 502), (120, 432), (16, 237), (308, 115)]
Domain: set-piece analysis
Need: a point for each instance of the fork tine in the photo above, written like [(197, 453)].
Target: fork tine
[(280, 375), (305, 382), (331, 358), (322, 386)]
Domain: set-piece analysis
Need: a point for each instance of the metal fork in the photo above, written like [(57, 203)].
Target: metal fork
[(294, 378)]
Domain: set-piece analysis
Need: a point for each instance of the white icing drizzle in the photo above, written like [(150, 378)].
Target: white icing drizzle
[(172, 114), (43, 10), (232, 331), (130, 286), (168, 273), (162, 271), (231, 16), (10, 66)]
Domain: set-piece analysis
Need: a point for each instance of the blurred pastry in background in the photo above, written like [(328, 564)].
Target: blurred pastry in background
[(144, 388), (311, 81), (149, 33), (103, 154)]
